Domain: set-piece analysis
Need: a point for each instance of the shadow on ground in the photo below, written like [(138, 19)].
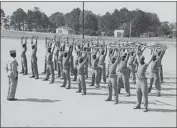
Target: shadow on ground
[(38, 100), (91, 93), (161, 110)]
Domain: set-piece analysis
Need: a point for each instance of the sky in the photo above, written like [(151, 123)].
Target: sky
[(165, 10)]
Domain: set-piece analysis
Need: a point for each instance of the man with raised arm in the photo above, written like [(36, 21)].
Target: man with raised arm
[(81, 74), (24, 65), (95, 70), (84, 55), (60, 61), (140, 50), (56, 51), (78, 55), (34, 65), (161, 54), (132, 66), (123, 79), (66, 69), (50, 67), (101, 64), (141, 85), (112, 81), (155, 76), (111, 53), (46, 51)]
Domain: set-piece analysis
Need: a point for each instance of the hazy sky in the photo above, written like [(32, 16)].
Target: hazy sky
[(165, 10)]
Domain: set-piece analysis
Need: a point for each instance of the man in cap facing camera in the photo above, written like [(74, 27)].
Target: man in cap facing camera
[(12, 73)]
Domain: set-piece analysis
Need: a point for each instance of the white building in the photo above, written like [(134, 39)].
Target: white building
[(119, 33), (64, 30)]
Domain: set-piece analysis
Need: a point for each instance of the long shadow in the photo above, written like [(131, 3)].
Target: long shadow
[(165, 103), (164, 95), (91, 93), (168, 95), (169, 88), (161, 110), (169, 82), (38, 100), (133, 102), (87, 88), (168, 78)]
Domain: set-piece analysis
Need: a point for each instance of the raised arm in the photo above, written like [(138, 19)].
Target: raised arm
[(150, 59), (105, 51), (84, 60), (46, 45), (137, 55), (36, 43), (53, 49), (32, 40), (163, 53), (118, 57), (26, 40), (22, 40), (127, 57)]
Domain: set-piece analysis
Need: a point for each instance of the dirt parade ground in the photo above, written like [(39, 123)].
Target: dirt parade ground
[(41, 104)]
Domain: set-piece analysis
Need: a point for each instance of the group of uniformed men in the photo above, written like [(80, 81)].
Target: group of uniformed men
[(124, 61)]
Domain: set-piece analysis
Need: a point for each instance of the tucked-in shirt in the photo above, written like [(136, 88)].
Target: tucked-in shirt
[(11, 67), (142, 70), (154, 66)]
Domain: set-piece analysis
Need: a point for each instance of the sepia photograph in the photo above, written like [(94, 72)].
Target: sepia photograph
[(88, 64)]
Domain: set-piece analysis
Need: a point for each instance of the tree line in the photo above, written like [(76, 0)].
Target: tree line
[(94, 25)]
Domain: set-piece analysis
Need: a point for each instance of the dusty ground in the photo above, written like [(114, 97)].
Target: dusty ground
[(42, 104)]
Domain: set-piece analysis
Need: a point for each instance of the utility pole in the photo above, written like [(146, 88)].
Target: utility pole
[(130, 30), (83, 22)]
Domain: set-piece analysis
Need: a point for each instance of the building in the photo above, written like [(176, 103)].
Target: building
[(119, 33), (64, 30)]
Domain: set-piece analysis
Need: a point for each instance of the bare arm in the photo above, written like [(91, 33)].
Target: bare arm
[(127, 57), (32, 40), (36, 44), (26, 40), (53, 49), (82, 64), (137, 55), (22, 40), (105, 51), (150, 60)]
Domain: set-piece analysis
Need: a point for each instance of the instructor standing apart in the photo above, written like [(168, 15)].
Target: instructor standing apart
[(12, 73)]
